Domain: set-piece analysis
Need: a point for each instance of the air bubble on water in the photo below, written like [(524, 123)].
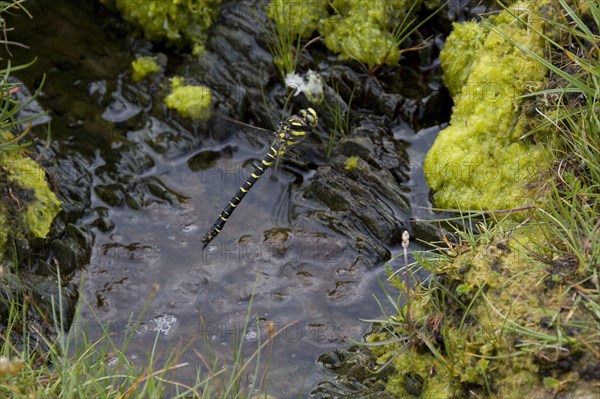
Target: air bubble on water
[(189, 228), (162, 324), (251, 335)]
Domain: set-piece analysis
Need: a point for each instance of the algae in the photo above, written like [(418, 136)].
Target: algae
[(480, 161), (142, 67), (190, 101)]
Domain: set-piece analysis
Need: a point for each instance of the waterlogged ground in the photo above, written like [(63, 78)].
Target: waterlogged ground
[(155, 188)]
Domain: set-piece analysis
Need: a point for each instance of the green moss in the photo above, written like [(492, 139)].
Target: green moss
[(142, 67), (360, 30), (29, 207), (480, 349), (479, 161), (351, 163), (438, 381), (297, 18), (494, 316), (177, 21), (363, 30), (190, 101)]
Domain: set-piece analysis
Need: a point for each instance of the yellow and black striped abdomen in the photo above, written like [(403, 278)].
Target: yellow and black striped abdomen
[(289, 132), (259, 170)]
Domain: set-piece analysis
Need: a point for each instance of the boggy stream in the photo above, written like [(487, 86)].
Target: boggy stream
[(305, 248)]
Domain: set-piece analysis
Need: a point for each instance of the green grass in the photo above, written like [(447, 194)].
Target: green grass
[(289, 23), (10, 108), (341, 117)]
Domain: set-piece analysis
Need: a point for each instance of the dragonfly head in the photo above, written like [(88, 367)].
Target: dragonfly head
[(296, 127), (310, 117)]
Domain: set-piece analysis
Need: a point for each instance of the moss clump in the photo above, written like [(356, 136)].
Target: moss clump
[(362, 30), (507, 311), (480, 160), (190, 101), (297, 18), (366, 31), (351, 163), (419, 374), (177, 21), (27, 207), (142, 67)]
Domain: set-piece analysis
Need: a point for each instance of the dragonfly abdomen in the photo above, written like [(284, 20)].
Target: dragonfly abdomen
[(258, 171)]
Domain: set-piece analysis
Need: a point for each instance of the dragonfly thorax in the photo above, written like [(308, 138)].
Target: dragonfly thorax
[(295, 128)]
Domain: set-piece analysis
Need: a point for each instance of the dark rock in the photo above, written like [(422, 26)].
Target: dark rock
[(51, 300), (73, 250), (413, 383)]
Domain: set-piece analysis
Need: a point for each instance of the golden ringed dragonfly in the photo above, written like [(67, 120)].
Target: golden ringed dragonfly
[(289, 132)]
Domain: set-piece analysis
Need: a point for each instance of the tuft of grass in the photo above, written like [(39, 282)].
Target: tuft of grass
[(290, 22), (10, 107), (341, 117)]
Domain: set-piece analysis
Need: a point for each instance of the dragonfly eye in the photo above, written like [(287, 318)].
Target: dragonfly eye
[(310, 116)]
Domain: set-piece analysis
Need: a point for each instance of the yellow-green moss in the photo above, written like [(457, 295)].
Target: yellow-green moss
[(351, 163), (495, 316), (481, 349), (438, 381), (31, 215), (479, 161), (176, 21), (363, 30), (142, 67), (297, 18), (358, 29), (190, 101)]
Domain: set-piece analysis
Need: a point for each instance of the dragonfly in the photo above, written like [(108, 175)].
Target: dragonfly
[(289, 132)]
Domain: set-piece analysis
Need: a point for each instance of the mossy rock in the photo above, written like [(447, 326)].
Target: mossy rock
[(28, 206)]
